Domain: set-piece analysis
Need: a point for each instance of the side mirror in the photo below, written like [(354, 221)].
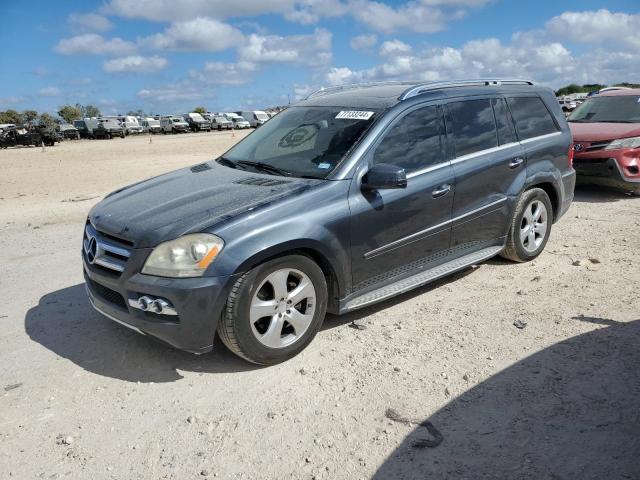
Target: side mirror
[(383, 175)]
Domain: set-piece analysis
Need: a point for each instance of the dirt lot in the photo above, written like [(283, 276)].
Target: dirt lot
[(81, 397)]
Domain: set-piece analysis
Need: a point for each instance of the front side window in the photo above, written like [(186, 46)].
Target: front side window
[(473, 126), (303, 141), (618, 109), (414, 141), (531, 116)]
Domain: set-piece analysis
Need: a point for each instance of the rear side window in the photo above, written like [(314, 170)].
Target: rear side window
[(506, 134), (413, 143), (531, 116), (473, 126)]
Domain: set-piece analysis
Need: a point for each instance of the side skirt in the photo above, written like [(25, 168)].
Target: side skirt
[(419, 279)]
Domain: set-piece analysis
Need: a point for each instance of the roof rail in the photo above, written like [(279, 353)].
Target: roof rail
[(427, 86), (339, 88)]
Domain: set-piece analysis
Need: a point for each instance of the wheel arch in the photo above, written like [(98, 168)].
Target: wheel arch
[(336, 285)]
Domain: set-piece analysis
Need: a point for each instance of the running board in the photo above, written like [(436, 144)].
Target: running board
[(420, 279)]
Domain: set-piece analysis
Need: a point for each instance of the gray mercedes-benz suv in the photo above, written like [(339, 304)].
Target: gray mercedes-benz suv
[(355, 194)]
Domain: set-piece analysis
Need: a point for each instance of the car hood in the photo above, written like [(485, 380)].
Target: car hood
[(591, 132), (187, 201)]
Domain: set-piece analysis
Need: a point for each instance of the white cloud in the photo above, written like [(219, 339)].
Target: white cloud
[(135, 64), (172, 94), (311, 50), (94, 44), (597, 27), (50, 92), (412, 16), (423, 16), (89, 22), (198, 34), (225, 73), (544, 61), (180, 10), (363, 42), (394, 47)]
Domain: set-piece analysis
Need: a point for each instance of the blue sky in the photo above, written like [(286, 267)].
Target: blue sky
[(172, 55)]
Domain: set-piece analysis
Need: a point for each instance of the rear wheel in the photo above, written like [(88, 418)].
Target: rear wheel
[(530, 226), (275, 310)]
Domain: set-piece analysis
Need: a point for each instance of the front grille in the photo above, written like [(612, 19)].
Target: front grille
[(106, 294), (105, 251)]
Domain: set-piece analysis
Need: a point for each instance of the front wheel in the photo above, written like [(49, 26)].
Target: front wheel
[(275, 310), (530, 226)]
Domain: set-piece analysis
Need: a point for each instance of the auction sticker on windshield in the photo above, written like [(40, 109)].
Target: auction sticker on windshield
[(354, 115)]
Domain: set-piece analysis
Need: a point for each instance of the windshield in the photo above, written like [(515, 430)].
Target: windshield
[(262, 116), (220, 119), (618, 109), (305, 141)]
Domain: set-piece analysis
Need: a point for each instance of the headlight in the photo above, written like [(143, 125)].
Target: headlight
[(631, 142), (187, 256)]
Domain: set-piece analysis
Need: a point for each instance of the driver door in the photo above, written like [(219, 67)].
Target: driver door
[(397, 231)]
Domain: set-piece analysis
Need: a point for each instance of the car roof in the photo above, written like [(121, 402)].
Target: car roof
[(383, 95), (617, 93)]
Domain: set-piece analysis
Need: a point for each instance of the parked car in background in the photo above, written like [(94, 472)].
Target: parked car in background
[(21, 135), (173, 124), (230, 115), (131, 125), (91, 128), (221, 123), (113, 127), (567, 105), (348, 198), (68, 131), (240, 122), (254, 117), (196, 122), (151, 125), (606, 136)]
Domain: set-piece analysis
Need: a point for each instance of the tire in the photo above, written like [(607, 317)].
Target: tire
[(527, 237), (251, 340)]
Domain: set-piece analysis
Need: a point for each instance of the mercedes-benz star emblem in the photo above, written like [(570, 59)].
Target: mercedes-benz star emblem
[(92, 250), (578, 147)]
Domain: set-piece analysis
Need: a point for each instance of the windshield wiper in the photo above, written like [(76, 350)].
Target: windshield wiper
[(265, 167), (226, 162)]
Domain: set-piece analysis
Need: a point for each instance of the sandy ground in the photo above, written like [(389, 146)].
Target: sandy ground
[(81, 397)]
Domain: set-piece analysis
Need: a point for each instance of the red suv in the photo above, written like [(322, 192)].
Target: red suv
[(606, 139)]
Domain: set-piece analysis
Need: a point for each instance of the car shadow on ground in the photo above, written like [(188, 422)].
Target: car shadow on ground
[(600, 194), (65, 323), (569, 411)]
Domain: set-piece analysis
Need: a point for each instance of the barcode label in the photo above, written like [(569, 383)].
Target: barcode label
[(354, 115)]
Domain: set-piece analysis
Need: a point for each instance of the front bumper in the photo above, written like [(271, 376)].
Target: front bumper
[(614, 168), (199, 303)]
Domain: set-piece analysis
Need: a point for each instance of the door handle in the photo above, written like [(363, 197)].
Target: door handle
[(516, 162), (441, 190)]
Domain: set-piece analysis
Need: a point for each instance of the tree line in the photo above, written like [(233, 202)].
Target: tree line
[(66, 113)]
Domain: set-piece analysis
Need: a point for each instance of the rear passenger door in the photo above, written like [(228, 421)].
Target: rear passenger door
[(489, 168)]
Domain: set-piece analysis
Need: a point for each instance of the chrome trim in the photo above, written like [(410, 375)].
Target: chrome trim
[(432, 168), (415, 236), (481, 82), (103, 249), (480, 153), (153, 305), (540, 137), (111, 317)]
